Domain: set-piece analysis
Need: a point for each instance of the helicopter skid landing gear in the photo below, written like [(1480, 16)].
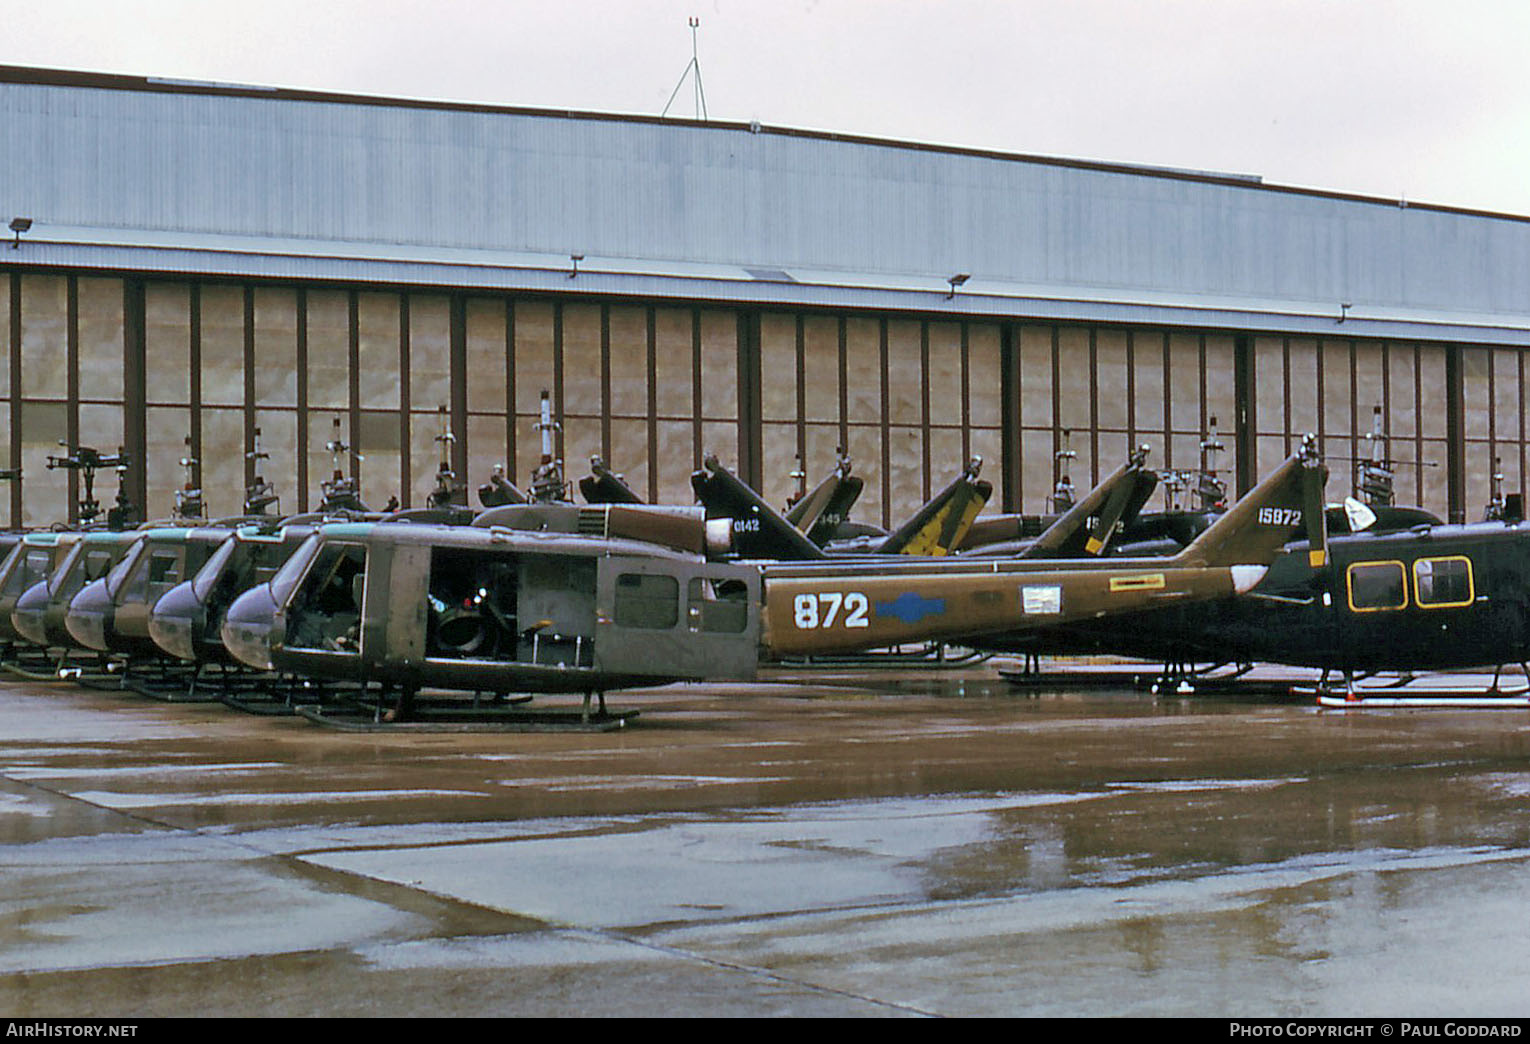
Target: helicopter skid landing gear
[(407, 710), (1416, 691)]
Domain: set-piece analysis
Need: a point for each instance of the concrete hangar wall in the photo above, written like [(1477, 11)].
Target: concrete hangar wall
[(206, 260)]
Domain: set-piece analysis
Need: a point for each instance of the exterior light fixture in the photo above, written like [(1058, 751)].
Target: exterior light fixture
[(957, 280), (1344, 307), (575, 258), (18, 226)]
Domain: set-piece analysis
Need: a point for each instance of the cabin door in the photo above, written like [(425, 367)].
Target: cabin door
[(674, 619)]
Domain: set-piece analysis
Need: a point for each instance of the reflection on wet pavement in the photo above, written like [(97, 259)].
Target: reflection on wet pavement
[(829, 850)]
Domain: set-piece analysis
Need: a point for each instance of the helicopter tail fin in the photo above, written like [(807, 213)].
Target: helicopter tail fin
[(759, 531), (939, 526), (1117, 498), (1271, 514)]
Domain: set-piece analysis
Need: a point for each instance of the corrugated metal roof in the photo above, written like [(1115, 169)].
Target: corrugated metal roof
[(120, 173), (492, 271)]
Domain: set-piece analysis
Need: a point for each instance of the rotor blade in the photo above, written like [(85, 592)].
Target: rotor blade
[(1314, 516), (940, 524), (1260, 523), (837, 510)]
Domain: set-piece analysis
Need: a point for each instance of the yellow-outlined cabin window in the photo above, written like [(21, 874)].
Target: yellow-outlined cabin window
[(1377, 586), (1443, 583)]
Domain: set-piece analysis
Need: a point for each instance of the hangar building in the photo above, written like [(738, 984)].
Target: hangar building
[(206, 260)]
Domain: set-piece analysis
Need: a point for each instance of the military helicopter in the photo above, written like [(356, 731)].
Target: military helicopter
[(1432, 597), (1402, 592), (490, 608), (39, 613), (112, 614), (31, 561), (186, 622), (941, 526)]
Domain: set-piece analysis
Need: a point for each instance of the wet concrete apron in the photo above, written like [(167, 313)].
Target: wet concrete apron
[(849, 846)]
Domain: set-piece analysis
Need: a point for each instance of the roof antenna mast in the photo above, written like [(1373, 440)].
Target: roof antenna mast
[(694, 66)]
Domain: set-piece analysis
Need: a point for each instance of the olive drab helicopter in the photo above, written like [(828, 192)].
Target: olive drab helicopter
[(186, 622), (111, 614), (37, 614), (492, 608), (30, 562)]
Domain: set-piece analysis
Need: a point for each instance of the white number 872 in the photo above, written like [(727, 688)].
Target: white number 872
[(811, 611)]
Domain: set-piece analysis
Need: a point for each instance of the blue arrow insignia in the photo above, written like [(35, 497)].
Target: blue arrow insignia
[(911, 607)]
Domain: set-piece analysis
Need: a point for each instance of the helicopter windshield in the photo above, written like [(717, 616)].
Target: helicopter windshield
[(24, 567), (68, 570), (286, 577), (208, 574), (122, 569)]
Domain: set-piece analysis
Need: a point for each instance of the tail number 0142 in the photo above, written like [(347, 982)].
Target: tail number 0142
[(811, 611)]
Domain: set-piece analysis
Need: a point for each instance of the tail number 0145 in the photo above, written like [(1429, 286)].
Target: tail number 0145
[(811, 611)]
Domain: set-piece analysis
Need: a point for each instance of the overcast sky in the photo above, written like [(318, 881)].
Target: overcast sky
[(1414, 99)]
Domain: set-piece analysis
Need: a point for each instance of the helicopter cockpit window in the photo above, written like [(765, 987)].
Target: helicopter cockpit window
[(164, 569), (124, 569), (31, 567), (286, 577), (717, 606), (83, 566), (205, 577), (1442, 583), (1377, 586), (325, 612), (648, 601)]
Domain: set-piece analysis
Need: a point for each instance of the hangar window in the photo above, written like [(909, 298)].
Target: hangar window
[(1441, 583), (1377, 586)]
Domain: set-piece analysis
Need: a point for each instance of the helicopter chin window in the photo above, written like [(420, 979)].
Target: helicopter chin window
[(325, 612)]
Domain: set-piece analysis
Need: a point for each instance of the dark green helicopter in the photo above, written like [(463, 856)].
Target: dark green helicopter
[(78, 557), (1400, 591), (941, 527), (112, 614), (1429, 598), (759, 531), (40, 612)]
